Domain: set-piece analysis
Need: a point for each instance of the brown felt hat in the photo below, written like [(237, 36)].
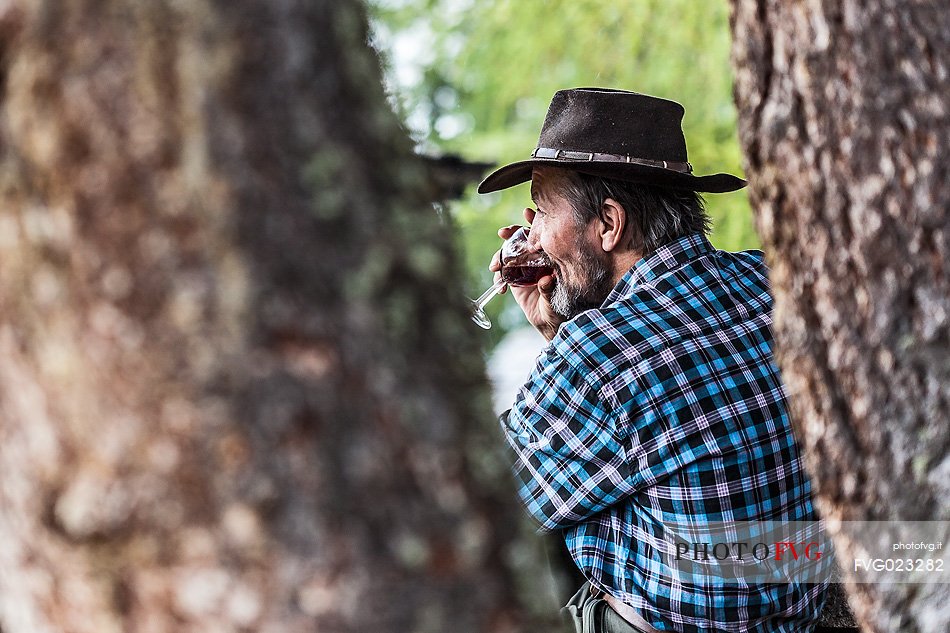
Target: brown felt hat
[(614, 134)]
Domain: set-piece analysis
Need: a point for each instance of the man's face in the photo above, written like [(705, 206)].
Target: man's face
[(582, 277)]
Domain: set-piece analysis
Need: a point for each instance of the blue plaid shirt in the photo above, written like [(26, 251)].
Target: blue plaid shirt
[(664, 406)]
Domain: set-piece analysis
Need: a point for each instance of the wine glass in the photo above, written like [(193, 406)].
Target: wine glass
[(520, 266)]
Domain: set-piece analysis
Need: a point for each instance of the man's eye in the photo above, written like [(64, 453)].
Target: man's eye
[(538, 212)]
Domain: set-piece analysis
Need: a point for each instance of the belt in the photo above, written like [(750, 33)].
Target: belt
[(628, 613)]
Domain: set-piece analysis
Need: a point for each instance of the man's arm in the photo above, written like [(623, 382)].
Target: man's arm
[(570, 457)]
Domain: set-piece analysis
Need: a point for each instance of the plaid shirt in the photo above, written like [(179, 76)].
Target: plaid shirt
[(665, 406)]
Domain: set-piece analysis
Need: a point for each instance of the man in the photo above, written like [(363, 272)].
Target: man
[(656, 401)]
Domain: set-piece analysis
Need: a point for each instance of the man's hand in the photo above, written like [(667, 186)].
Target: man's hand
[(535, 301)]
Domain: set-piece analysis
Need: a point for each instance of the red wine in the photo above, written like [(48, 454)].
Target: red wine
[(526, 273)]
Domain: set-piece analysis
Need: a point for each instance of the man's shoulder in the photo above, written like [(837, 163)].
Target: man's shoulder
[(751, 262), (596, 327), (699, 297), (753, 258), (600, 340)]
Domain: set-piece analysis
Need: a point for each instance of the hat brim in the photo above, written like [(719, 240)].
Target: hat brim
[(517, 173)]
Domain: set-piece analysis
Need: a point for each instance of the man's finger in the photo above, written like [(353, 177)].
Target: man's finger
[(507, 231), (495, 261), (546, 286), (496, 279)]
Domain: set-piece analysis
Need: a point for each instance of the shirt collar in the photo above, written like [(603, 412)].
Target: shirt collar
[(665, 259)]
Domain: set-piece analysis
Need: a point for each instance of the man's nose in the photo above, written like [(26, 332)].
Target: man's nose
[(533, 236), (534, 239)]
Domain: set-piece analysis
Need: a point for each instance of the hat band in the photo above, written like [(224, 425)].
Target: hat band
[(590, 157)]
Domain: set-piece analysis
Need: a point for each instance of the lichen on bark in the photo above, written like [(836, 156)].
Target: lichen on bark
[(843, 119), (237, 391)]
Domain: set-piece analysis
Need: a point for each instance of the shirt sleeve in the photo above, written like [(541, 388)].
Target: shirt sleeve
[(570, 459)]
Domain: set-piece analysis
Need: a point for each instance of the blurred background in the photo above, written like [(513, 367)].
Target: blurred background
[(238, 391), (473, 79)]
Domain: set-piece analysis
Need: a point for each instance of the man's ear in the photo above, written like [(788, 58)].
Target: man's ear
[(612, 225)]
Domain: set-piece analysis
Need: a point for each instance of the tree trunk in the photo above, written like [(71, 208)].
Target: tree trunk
[(239, 390), (844, 112)]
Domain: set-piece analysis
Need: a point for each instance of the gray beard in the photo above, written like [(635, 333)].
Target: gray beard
[(569, 301)]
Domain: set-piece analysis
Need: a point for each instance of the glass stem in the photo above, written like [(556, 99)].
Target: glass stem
[(488, 294)]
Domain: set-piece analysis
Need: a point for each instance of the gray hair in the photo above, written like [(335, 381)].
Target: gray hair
[(655, 215)]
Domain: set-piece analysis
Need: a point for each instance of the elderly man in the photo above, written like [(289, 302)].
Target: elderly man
[(656, 401)]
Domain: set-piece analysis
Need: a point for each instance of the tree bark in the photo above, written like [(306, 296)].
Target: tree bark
[(844, 114), (239, 390)]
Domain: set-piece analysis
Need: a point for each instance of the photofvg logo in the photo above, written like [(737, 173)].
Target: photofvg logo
[(751, 552), (803, 552), (740, 550)]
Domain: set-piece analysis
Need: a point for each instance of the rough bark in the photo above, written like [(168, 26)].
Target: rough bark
[(239, 390), (844, 112)]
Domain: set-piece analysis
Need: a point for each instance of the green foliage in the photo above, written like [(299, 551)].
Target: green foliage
[(485, 71)]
